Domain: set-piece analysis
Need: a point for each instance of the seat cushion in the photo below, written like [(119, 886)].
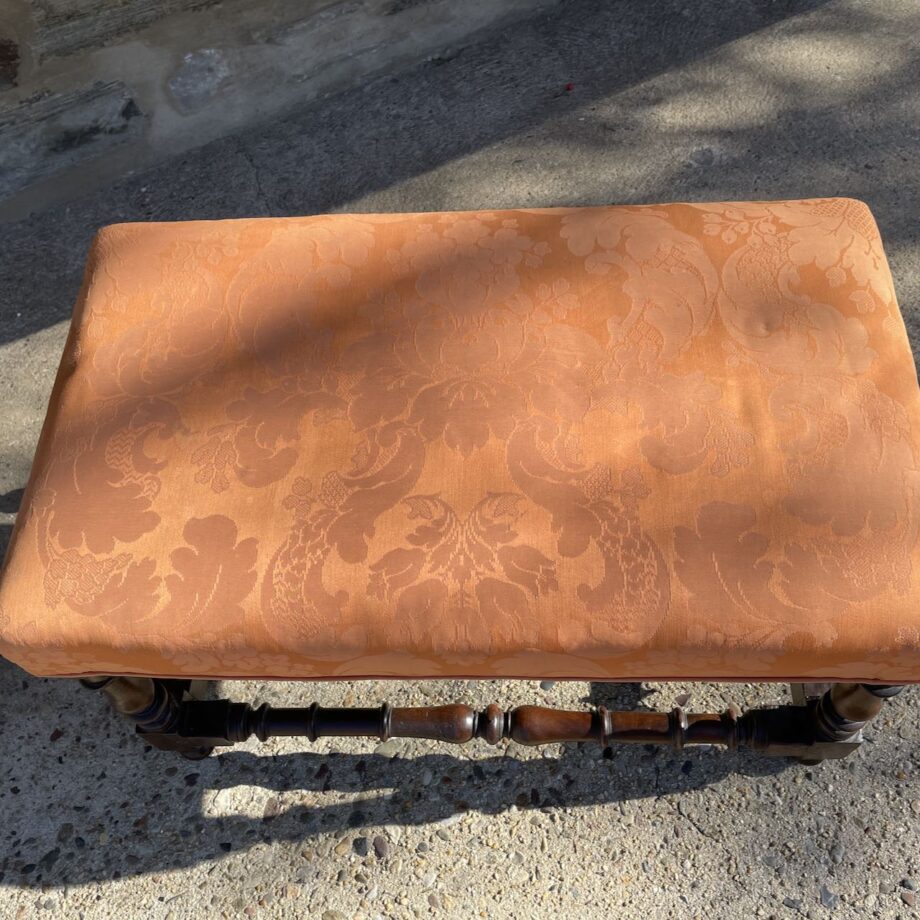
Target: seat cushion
[(673, 441)]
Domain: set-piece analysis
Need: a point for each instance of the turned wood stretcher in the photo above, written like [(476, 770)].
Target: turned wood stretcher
[(671, 442)]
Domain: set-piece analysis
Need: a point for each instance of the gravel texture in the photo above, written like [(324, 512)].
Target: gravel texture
[(95, 825), (668, 101)]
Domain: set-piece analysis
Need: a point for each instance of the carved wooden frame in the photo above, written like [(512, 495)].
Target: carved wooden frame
[(825, 721)]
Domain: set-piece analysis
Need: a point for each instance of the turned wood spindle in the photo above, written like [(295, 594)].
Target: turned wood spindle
[(458, 724), (828, 727)]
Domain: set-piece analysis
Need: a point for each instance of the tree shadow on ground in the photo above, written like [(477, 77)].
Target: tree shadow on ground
[(72, 772), (381, 133)]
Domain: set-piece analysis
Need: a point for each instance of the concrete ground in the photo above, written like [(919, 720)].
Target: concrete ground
[(715, 99)]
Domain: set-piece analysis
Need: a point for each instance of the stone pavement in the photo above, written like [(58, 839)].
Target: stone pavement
[(668, 101)]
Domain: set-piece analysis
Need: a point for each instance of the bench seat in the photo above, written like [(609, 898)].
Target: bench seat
[(615, 443)]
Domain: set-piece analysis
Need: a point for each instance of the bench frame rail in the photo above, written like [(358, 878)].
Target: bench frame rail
[(825, 722)]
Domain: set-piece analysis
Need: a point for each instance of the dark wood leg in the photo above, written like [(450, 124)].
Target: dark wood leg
[(844, 710), (155, 708)]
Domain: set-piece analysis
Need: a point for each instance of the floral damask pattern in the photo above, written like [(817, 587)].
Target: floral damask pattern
[(463, 572), (623, 442)]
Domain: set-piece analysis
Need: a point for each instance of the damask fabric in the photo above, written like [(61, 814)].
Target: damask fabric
[(673, 441)]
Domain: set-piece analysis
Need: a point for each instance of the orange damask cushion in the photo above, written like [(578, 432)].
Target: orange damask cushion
[(674, 441)]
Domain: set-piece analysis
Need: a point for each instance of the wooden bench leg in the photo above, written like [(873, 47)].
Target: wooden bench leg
[(155, 708), (827, 727), (844, 710)]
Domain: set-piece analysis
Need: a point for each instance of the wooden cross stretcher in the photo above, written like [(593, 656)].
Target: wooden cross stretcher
[(664, 442)]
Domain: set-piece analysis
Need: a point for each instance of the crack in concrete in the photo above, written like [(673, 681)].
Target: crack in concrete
[(257, 175), (678, 808)]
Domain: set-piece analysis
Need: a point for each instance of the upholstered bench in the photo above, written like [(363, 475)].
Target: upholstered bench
[(608, 444)]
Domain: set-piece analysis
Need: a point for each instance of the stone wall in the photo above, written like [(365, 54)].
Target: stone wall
[(92, 89)]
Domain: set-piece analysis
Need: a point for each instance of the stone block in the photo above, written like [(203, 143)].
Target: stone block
[(65, 26), (47, 134)]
